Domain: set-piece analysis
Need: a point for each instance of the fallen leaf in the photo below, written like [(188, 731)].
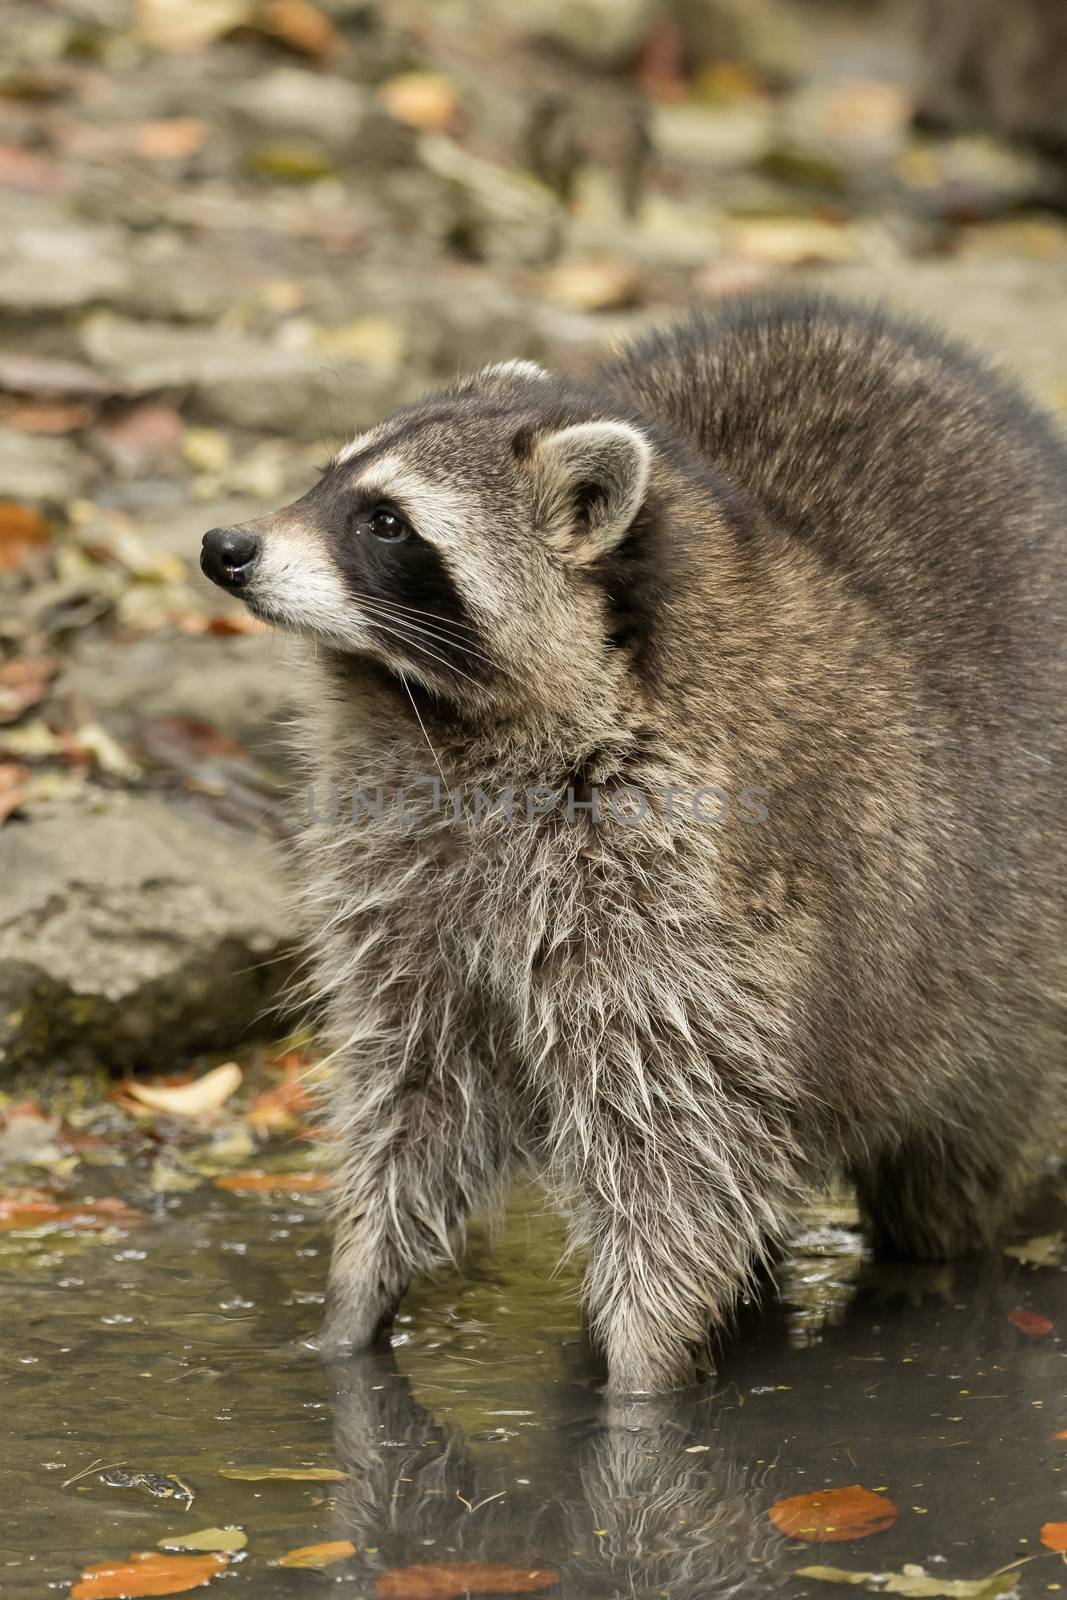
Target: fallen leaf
[(146, 1572), (21, 530), (224, 1540), (292, 161), (828, 1516), (189, 24), (1062, 1435), (278, 1110), (300, 25), (220, 626), (915, 1582), (36, 1211), (23, 683), (594, 285), (13, 779), (288, 1474), (450, 1580), (423, 100), (49, 416), (170, 139), (661, 63), (1046, 1250), (273, 1182), (318, 1555), (196, 1099), (1054, 1536), (794, 241), (1031, 1323), (23, 169)]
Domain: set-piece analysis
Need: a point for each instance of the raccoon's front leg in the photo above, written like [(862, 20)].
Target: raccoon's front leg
[(418, 1153), (675, 1229)]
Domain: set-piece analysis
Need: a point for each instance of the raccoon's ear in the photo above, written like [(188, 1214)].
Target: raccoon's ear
[(590, 482)]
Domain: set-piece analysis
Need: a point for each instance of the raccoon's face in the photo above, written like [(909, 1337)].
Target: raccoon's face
[(457, 544)]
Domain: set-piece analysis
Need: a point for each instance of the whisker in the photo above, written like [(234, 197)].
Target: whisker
[(374, 607), (414, 642)]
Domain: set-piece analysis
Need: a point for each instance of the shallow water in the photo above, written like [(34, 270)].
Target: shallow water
[(482, 1433)]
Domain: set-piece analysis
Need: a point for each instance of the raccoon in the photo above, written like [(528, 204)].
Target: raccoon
[(795, 556)]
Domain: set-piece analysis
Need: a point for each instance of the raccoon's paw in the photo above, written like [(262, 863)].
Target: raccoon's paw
[(353, 1322)]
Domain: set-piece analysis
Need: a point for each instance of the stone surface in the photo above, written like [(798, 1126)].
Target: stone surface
[(231, 377), (135, 935), (40, 470), (60, 267)]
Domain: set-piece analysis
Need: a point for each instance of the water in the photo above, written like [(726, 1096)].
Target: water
[(482, 1435)]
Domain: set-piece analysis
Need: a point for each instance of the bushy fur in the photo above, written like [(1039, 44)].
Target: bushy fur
[(845, 586)]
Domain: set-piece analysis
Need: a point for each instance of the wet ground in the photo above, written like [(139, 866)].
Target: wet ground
[(154, 1379)]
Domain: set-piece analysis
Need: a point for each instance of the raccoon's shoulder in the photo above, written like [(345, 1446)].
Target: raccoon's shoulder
[(810, 401)]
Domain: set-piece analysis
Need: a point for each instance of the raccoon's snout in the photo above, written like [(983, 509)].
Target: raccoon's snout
[(228, 556)]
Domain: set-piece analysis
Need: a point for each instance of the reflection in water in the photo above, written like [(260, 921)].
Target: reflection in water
[(481, 1434)]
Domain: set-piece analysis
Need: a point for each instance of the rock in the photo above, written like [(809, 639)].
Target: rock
[(347, 121), (60, 266), (135, 937), (231, 377), (498, 215), (39, 469), (242, 686)]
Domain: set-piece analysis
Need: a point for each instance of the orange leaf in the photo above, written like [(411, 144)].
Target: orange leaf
[(423, 100), (318, 1555), (301, 26), (49, 416), (449, 1580), (24, 682), (829, 1516), (146, 1572), (278, 1109), (21, 530), (1054, 1536), (1032, 1323), (37, 1210), (273, 1182), (170, 139), (1062, 1435)]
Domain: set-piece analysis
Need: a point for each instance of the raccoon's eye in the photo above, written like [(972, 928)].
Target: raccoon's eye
[(387, 525)]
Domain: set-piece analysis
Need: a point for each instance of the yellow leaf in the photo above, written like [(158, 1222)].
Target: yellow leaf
[(218, 1539), (190, 1099)]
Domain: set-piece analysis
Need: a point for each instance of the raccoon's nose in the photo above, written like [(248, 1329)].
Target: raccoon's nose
[(228, 555)]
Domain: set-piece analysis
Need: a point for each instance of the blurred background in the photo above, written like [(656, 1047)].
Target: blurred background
[(232, 232)]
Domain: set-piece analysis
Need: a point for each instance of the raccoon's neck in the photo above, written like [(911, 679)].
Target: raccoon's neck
[(371, 726)]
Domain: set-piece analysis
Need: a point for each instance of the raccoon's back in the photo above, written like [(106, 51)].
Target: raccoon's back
[(924, 479)]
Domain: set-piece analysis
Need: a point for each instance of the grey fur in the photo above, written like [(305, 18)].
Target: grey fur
[(846, 586)]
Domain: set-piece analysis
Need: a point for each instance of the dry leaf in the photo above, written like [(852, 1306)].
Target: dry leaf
[(1046, 1250), (423, 100), (36, 1211), (23, 683), (146, 1572), (300, 25), (278, 1110), (1054, 1536), (170, 139), (49, 416), (318, 1555), (273, 1182), (189, 1099), (21, 530), (223, 1540), (13, 780), (23, 169), (189, 24), (450, 1580), (593, 285), (793, 241), (918, 1584), (1032, 1323), (288, 1474), (828, 1516)]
